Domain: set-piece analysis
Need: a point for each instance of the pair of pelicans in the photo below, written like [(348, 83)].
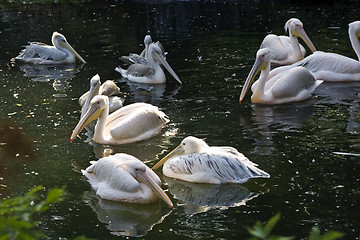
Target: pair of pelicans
[(122, 177)]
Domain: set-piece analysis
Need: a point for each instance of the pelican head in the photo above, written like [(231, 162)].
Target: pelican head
[(261, 63), (138, 171), (295, 27), (188, 145), (97, 106), (94, 90), (60, 42), (158, 55)]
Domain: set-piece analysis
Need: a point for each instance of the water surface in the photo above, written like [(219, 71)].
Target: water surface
[(211, 46)]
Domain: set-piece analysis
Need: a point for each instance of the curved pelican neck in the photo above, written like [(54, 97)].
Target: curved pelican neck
[(99, 131), (294, 43), (355, 43), (259, 91)]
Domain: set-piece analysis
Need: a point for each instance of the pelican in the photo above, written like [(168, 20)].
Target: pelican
[(287, 50), (122, 177), (108, 88), (132, 123), (331, 66), (297, 84), (204, 164), (149, 70), (60, 53)]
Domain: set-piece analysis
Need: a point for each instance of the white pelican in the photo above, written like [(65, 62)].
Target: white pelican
[(132, 123), (122, 177), (60, 53), (287, 50), (108, 88), (149, 70), (297, 84), (204, 164), (331, 66)]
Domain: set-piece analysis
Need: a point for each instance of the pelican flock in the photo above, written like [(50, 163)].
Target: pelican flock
[(332, 67), (122, 177), (108, 88), (198, 162), (39, 53)]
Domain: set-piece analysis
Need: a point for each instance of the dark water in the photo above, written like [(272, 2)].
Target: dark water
[(211, 46)]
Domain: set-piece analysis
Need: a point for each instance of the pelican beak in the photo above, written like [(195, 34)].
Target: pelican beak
[(92, 114), (177, 151), (300, 32), (71, 49), (156, 188), (259, 65), (163, 61)]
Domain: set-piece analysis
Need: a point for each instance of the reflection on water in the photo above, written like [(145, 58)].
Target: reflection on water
[(124, 219), (203, 197), (60, 74)]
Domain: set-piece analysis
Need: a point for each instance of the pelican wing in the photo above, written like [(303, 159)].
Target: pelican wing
[(332, 62), (139, 123), (41, 51), (140, 70), (276, 46), (293, 82), (109, 173), (212, 168), (135, 58)]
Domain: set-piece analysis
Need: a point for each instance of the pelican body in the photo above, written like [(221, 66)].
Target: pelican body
[(331, 66), (287, 50), (294, 85), (132, 123), (198, 162), (122, 177), (148, 70), (60, 53), (108, 88)]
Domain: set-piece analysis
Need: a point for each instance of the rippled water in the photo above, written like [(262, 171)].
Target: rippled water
[(211, 46)]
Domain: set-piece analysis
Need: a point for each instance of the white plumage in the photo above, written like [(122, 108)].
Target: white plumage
[(132, 123), (331, 66), (122, 177), (287, 50), (148, 70), (39, 53), (292, 85), (205, 164)]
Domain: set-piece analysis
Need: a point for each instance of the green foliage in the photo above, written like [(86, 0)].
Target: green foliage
[(331, 235), (16, 213), (263, 232)]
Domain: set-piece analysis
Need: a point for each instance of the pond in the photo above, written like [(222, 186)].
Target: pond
[(309, 148)]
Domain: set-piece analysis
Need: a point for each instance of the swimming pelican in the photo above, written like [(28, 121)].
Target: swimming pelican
[(297, 84), (287, 50), (131, 123), (122, 177), (204, 164), (60, 53), (108, 88), (331, 66), (149, 70)]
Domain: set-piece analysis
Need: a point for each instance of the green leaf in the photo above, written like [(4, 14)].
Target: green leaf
[(54, 195), (269, 226)]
